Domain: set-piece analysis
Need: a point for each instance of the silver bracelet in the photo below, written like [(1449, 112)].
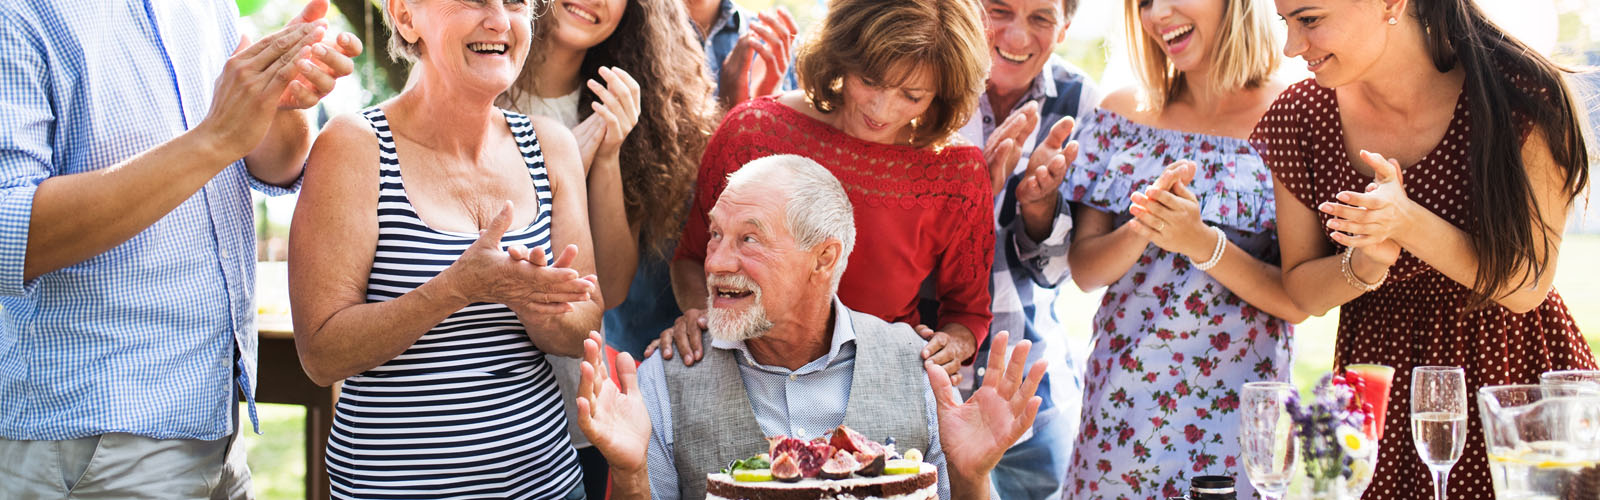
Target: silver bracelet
[(1216, 254), (1355, 281)]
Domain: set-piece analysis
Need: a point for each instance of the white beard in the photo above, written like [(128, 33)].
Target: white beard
[(736, 326)]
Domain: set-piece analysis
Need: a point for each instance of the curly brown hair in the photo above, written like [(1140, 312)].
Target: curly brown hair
[(655, 43), (873, 38)]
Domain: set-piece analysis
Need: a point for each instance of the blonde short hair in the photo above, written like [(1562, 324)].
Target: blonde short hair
[(872, 38), (1245, 53)]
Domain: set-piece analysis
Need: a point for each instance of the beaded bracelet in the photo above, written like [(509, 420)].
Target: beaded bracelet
[(1355, 281), (1216, 254)]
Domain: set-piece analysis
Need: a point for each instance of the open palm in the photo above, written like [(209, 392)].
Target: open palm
[(612, 417), (975, 433)]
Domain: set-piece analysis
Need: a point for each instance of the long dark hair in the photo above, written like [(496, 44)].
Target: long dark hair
[(655, 42), (1457, 32)]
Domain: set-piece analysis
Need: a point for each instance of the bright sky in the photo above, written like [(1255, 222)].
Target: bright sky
[(1532, 21)]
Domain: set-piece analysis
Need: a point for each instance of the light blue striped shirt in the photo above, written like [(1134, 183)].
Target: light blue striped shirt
[(801, 403), (142, 338)]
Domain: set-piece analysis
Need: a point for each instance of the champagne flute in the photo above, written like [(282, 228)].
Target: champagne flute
[(1266, 441), (1439, 419)]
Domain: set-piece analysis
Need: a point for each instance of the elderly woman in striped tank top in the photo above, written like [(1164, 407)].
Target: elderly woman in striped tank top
[(424, 273)]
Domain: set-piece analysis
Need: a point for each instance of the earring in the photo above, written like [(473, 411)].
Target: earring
[(1393, 21)]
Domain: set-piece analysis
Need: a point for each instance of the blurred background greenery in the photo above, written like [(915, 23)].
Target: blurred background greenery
[(1567, 30)]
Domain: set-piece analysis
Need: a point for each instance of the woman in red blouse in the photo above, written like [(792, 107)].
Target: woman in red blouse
[(884, 86)]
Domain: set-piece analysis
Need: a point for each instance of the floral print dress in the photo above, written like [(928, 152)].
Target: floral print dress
[(1172, 346)]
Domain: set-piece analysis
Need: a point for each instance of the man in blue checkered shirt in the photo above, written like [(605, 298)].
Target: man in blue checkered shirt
[(129, 140), (1020, 125)]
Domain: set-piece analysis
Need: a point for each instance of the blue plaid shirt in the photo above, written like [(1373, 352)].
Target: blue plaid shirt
[(1026, 272), (151, 336)]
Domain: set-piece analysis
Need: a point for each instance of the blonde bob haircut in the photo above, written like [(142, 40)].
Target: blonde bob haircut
[(1244, 56), (889, 41)]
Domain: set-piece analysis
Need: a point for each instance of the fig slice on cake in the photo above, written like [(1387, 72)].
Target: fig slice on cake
[(840, 466)]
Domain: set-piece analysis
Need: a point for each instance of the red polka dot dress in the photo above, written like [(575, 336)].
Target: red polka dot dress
[(1420, 316)]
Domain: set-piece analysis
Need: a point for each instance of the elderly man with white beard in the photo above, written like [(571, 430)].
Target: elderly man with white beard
[(787, 358)]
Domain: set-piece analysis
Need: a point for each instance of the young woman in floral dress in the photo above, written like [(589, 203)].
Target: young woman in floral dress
[(1442, 250), (1194, 306)]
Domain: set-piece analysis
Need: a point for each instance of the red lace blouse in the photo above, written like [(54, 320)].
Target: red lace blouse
[(919, 212)]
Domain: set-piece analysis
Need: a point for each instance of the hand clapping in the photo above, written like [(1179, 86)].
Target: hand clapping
[(1168, 214), (516, 276), (756, 65), (1369, 221), (1004, 146), (615, 115), (319, 64)]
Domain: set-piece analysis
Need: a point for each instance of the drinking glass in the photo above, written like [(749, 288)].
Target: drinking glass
[(1439, 419), (1582, 380), (1266, 438)]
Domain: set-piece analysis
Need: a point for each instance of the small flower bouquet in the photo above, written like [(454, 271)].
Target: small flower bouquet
[(1338, 431)]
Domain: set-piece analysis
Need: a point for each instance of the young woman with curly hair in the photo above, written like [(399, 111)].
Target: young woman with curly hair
[(595, 65)]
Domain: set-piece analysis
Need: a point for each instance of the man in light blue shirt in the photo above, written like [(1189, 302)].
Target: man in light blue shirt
[(129, 141), (787, 358)]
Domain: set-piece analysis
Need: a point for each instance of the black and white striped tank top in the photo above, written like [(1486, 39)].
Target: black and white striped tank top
[(471, 409)]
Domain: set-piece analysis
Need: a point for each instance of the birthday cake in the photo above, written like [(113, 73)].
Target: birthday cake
[(845, 465)]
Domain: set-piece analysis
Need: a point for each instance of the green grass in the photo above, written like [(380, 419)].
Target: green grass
[(277, 458)]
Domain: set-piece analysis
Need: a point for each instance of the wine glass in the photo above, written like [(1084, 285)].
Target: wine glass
[(1266, 441), (1439, 419)]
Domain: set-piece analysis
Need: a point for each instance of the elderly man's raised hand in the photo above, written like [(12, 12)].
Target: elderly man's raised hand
[(320, 64), (975, 434), (613, 415), (516, 276)]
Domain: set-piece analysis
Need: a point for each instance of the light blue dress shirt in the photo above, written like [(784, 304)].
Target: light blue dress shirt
[(802, 403), (152, 336)]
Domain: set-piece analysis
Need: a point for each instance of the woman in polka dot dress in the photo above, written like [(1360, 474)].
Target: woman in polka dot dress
[(1194, 304), (1443, 253)]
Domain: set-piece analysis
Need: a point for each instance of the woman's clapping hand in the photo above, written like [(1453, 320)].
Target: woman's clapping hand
[(1369, 221), (517, 277), (1168, 214)]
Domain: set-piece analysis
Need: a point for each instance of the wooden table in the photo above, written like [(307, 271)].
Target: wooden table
[(283, 381)]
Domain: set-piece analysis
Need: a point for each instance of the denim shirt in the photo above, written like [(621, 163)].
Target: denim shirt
[(731, 23)]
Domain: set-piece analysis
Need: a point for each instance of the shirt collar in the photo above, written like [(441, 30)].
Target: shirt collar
[(1045, 81), (727, 17), (844, 332)]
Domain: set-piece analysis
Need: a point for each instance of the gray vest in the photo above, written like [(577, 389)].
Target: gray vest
[(714, 423)]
